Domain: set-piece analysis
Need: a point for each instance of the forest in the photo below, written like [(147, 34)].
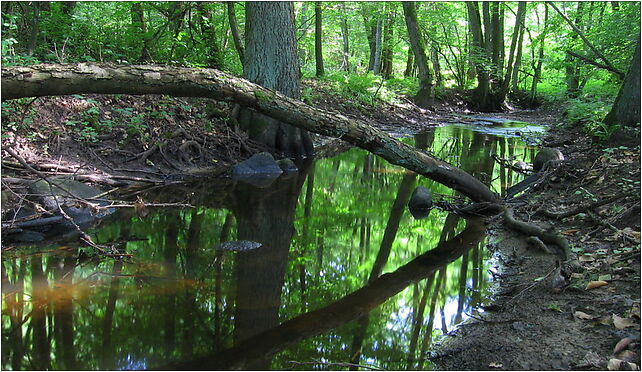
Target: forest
[(320, 185)]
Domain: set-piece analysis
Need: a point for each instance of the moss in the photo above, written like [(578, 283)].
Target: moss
[(264, 96)]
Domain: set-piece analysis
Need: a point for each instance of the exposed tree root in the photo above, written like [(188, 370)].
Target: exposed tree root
[(532, 230)]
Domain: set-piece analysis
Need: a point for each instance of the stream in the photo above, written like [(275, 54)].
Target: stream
[(342, 275)]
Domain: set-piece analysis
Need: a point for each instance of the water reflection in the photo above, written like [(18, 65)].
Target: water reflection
[(345, 274)]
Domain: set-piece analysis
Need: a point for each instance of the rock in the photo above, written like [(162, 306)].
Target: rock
[(420, 202), (260, 170), (545, 155), (238, 246), (521, 165), (287, 165)]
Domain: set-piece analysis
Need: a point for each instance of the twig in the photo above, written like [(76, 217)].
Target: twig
[(582, 208)]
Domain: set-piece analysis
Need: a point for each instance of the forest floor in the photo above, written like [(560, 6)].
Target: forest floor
[(532, 323)]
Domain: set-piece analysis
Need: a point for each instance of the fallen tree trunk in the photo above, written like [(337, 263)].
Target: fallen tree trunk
[(57, 79)]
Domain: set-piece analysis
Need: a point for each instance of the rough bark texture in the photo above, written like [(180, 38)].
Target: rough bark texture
[(271, 61), (55, 79), (626, 109), (426, 95), (318, 35), (238, 44)]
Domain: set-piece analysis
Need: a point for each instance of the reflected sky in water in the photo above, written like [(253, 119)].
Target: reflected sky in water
[(329, 234)]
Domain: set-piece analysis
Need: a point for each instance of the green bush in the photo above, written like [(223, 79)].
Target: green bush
[(590, 114)]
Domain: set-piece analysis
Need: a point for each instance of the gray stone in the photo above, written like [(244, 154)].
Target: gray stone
[(420, 202), (260, 170), (545, 155)]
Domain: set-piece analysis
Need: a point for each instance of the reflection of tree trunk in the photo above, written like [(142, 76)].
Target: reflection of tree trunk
[(218, 276), (476, 276), (169, 256), (431, 319), (15, 306), (39, 300), (418, 321), (265, 216), (190, 308), (340, 312), (463, 277), (63, 312), (107, 349), (307, 213), (398, 207)]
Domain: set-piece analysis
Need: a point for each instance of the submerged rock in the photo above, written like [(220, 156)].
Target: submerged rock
[(238, 245), (420, 202)]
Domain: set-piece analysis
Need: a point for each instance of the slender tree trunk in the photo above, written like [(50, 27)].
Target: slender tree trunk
[(519, 22), (318, 37), (376, 66), (386, 53), (410, 63), (518, 61), (426, 95), (207, 30), (238, 42), (436, 67), (537, 74), (138, 21), (46, 80), (345, 62)]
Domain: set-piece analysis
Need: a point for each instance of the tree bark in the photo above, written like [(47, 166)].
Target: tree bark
[(426, 95), (540, 59), (238, 43), (54, 79), (386, 49), (318, 34), (271, 61), (519, 21), (345, 62), (626, 109)]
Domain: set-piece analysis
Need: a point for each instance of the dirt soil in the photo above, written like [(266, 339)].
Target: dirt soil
[(543, 317)]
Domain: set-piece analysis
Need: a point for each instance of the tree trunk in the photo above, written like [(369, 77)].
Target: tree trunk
[(436, 67), (376, 63), (271, 61), (386, 50), (426, 95), (537, 74), (138, 21), (519, 22), (207, 30), (48, 80), (410, 63), (518, 61), (345, 62), (626, 109), (318, 46), (238, 43)]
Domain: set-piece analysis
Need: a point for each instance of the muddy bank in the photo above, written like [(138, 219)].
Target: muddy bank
[(544, 316)]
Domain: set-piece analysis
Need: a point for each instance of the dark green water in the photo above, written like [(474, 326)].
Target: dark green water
[(326, 232)]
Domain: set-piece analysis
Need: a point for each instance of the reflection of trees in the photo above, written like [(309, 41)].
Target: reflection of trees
[(63, 310), (265, 216), (39, 299), (346, 309), (14, 299)]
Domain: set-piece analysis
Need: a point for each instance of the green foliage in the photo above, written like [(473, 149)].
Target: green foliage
[(590, 115)]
